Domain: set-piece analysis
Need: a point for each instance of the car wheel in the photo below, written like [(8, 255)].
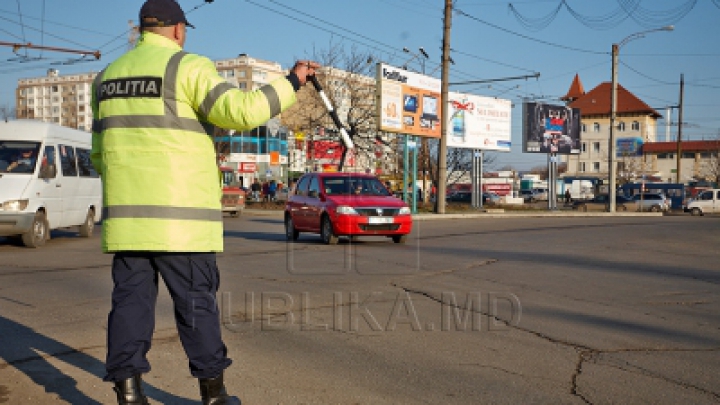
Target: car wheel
[(655, 208), (696, 212), (399, 238), (326, 232), (37, 235), (291, 234), (86, 229)]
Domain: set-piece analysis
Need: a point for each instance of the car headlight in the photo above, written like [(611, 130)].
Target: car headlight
[(405, 211), (345, 210), (15, 205)]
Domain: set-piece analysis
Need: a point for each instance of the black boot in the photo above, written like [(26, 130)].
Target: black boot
[(130, 392), (212, 391)]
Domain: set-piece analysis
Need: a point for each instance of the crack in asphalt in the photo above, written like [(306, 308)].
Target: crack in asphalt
[(584, 353)]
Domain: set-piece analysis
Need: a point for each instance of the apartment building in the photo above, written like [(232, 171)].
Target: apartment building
[(65, 99), (636, 123)]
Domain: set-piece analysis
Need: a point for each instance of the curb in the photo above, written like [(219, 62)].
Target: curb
[(489, 214)]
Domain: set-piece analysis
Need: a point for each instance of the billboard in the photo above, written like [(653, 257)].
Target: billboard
[(407, 102), (627, 147), (551, 129), (478, 122)]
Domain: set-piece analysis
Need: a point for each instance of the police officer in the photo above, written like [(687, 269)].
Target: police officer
[(154, 110)]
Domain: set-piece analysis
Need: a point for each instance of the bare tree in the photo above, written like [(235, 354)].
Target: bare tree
[(710, 165), (7, 113), (347, 78)]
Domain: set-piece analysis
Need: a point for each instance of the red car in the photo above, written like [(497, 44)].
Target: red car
[(345, 204)]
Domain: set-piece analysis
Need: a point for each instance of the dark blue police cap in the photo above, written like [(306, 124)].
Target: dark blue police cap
[(167, 13)]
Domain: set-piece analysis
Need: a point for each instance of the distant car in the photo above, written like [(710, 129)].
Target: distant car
[(345, 205), (705, 203), (466, 197), (527, 195), (541, 194), (601, 203), (654, 202)]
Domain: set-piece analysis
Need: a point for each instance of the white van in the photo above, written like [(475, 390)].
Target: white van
[(707, 202), (46, 181)]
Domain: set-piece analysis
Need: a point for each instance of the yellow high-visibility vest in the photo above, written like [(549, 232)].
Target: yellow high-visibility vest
[(154, 111)]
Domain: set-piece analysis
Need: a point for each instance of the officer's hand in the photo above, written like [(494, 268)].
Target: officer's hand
[(305, 68)]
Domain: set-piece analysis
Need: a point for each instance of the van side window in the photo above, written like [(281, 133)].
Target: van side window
[(85, 166), (67, 161), (48, 165)]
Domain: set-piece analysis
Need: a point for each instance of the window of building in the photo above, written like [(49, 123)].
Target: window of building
[(54, 89), (584, 147), (596, 147), (635, 126), (584, 128), (241, 73), (582, 166), (596, 166), (688, 155), (242, 85), (596, 127), (621, 127)]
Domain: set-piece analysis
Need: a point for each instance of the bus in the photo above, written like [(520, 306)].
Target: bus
[(675, 192)]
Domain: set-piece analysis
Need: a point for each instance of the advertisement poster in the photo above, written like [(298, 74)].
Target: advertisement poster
[(479, 122), (551, 129), (408, 103), (627, 147)]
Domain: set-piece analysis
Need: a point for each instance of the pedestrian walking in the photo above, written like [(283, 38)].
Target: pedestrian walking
[(154, 109)]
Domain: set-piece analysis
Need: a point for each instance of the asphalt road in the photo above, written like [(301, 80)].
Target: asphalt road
[(520, 310)]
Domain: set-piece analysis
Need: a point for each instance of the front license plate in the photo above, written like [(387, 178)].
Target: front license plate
[(380, 220)]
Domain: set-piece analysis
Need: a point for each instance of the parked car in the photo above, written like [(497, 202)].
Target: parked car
[(345, 205), (601, 203), (527, 195), (541, 194), (706, 202), (654, 202), (466, 197)]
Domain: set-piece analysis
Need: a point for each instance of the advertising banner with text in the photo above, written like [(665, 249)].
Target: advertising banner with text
[(478, 122), (408, 103)]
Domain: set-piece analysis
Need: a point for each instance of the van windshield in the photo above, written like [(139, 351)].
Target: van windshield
[(18, 157)]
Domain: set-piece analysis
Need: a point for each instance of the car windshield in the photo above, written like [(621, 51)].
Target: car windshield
[(18, 156), (367, 186)]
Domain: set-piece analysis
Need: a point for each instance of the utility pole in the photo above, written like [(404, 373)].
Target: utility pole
[(444, 84), (679, 136)]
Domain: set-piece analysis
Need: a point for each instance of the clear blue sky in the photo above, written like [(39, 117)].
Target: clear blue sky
[(489, 41)]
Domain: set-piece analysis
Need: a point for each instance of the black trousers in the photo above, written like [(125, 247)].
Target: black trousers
[(192, 280)]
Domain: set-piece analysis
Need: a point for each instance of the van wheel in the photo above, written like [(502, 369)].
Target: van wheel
[(86, 229), (655, 208), (38, 233), (326, 232), (696, 212)]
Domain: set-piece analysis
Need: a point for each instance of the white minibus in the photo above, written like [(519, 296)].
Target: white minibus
[(47, 181)]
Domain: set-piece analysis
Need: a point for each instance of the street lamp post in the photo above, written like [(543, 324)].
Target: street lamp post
[(613, 109)]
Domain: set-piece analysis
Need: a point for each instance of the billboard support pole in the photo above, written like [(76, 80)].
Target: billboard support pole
[(552, 181), (405, 168), (414, 175)]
